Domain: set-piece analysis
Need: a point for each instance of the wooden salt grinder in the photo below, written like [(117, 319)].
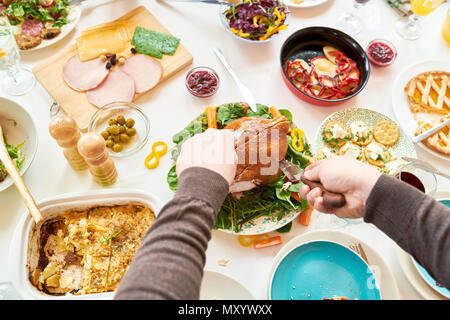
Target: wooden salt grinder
[(66, 132), (92, 147)]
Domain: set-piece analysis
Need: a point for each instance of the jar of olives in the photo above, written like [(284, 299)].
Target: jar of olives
[(123, 125)]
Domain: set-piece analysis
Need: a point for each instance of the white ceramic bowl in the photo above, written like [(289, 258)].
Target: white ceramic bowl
[(25, 243), (18, 126), (226, 25)]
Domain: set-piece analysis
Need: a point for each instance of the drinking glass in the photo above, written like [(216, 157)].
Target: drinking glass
[(446, 27), (350, 22), (418, 174), (409, 27), (18, 80)]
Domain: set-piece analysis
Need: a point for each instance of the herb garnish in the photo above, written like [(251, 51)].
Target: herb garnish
[(107, 239)]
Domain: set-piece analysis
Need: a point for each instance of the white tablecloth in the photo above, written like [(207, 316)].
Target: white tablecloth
[(170, 107)]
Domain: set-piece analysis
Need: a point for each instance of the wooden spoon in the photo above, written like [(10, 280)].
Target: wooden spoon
[(18, 181)]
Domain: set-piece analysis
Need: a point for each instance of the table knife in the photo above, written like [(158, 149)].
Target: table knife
[(246, 93), (428, 167), (201, 1), (294, 173)]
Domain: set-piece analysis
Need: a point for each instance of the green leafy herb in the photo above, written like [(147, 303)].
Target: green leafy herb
[(109, 238)]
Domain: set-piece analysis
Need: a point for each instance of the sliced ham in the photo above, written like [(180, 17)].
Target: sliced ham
[(32, 27), (82, 76), (145, 71), (119, 86)]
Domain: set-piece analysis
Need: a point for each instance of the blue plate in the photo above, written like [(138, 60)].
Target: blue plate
[(426, 276), (321, 269)]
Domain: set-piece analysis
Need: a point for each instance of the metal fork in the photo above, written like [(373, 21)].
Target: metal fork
[(73, 3), (357, 247)]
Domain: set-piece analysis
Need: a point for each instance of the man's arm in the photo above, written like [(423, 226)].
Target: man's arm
[(416, 222), (169, 264)]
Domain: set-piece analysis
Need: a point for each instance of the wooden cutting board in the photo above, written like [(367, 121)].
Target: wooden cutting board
[(75, 104)]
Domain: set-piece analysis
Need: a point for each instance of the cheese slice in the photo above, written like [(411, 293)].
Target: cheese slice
[(111, 37)]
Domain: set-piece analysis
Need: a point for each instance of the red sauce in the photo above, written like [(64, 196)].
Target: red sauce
[(380, 53), (412, 180), (202, 83)]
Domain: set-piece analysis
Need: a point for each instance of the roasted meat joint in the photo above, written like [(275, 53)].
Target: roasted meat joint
[(260, 145)]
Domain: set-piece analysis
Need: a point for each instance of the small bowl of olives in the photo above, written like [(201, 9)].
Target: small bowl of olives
[(123, 125)]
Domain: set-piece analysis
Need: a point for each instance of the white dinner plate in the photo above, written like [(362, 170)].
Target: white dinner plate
[(217, 286), (422, 287), (305, 3), (18, 126), (400, 103), (383, 275), (73, 18)]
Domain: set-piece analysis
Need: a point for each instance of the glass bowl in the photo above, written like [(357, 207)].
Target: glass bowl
[(100, 119), (223, 9), (386, 43), (205, 69)]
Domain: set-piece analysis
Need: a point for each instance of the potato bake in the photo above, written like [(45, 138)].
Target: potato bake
[(85, 252)]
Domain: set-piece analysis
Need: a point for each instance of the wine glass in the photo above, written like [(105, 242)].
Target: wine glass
[(409, 27), (349, 22), (18, 80)]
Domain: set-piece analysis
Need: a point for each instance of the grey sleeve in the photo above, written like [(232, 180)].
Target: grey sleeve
[(169, 264), (419, 224)]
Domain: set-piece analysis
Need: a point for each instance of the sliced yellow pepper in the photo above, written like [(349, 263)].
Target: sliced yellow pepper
[(297, 139), (243, 34), (2, 53), (155, 154), (234, 30)]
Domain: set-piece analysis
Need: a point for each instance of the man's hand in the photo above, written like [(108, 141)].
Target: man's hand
[(213, 149), (343, 175)]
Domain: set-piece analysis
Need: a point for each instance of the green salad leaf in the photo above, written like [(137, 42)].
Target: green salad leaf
[(17, 156), (22, 10)]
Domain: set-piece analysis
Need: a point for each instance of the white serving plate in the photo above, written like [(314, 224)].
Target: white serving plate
[(73, 18), (383, 275), (18, 126), (400, 102), (217, 286), (23, 242), (305, 4)]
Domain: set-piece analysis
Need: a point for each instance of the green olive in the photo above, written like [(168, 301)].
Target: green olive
[(122, 129), (105, 134), (131, 132), (109, 143), (120, 120), (117, 147), (112, 122), (130, 123), (124, 138), (114, 130)]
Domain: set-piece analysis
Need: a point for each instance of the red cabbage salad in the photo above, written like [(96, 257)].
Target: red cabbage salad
[(257, 20)]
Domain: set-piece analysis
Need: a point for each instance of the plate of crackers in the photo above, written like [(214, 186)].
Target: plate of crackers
[(367, 136), (421, 100)]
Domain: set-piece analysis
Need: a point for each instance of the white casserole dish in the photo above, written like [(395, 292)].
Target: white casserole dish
[(25, 241)]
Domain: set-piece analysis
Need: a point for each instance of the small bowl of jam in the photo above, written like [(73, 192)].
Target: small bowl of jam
[(202, 82), (381, 53)]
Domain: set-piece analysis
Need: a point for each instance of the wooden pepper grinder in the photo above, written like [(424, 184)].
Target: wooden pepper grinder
[(92, 147), (66, 132)]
